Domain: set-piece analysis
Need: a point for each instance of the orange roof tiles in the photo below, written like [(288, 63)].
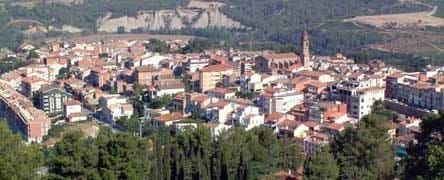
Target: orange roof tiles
[(310, 73), (289, 123), (274, 116), (72, 103), (32, 79), (199, 98), (175, 116), (277, 56), (334, 126), (220, 90), (218, 67), (311, 124)]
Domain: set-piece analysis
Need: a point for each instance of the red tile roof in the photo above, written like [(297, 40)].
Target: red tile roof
[(72, 103), (218, 67), (220, 90), (289, 123), (175, 116), (311, 124), (334, 126), (274, 116)]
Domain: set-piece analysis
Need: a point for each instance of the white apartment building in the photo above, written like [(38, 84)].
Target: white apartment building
[(359, 93), (115, 111), (427, 93), (195, 64), (114, 107), (248, 116), (280, 100), (152, 60)]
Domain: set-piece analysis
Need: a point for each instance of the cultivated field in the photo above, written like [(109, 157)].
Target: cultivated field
[(418, 19), (411, 41)]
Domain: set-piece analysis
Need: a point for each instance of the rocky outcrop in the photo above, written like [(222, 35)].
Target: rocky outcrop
[(194, 16)]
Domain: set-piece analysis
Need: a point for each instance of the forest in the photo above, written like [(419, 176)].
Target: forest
[(356, 153)]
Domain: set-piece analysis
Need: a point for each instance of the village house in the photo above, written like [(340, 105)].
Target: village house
[(167, 119), (147, 74), (166, 87), (73, 111), (248, 116), (221, 93), (279, 100), (31, 85), (213, 75), (219, 111)]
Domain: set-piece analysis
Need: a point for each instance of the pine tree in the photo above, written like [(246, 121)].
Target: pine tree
[(242, 169), (365, 152), (290, 155), (321, 166), (426, 158), (17, 160)]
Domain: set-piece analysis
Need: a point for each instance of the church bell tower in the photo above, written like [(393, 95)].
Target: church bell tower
[(306, 58)]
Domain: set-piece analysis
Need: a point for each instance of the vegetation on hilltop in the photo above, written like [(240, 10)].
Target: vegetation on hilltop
[(17, 160), (283, 20), (275, 24)]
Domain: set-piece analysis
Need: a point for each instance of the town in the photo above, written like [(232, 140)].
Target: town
[(301, 96)]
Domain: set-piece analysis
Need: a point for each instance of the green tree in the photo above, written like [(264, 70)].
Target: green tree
[(158, 46), (160, 102), (242, 169), (425, 159), (138, 89), (131, 124), (321, 166), (74, 157), (199, 45), (10, 63), (63, 73), (245, 94), (108, 156), (365, 152), (32, 55), (17, 160), (120, 30), (290, 155)]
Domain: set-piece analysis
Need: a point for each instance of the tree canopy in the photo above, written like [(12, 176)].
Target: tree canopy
[(192, 154), (425, 160), (321, 166), (365, 152), (17, 160)]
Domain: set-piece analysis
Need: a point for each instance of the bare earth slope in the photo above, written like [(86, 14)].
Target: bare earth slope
[(197, 15)]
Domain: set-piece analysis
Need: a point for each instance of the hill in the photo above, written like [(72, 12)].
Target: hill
[(272, 24)]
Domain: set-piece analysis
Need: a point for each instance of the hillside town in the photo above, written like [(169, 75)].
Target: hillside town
[(304, 97)]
